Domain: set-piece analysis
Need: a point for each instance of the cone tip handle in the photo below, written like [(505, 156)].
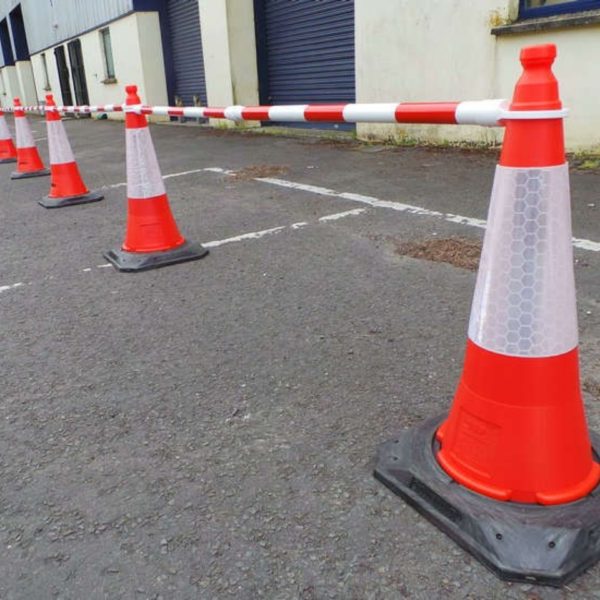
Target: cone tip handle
[(132, 95), (17, 102), (50, 99), (542, 53)]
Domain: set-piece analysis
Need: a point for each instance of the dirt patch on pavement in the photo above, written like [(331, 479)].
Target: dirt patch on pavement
[(460, 252), (258, 171)]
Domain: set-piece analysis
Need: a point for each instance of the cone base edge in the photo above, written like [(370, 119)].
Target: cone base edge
[(48, 202), (28, 174), (129, 262), (5, 161), (530, 543)]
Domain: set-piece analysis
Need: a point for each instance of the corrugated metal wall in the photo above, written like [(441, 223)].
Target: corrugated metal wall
[(49, 22), (187, 62), (310, 50), (307, 51)]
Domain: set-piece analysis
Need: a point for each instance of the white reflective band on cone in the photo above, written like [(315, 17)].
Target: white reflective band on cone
[(524, 302), (58, 144), (24, 135), (144, 179), (4, 131)]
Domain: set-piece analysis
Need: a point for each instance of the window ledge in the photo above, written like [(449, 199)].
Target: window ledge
[(109, 80), (591, 17)]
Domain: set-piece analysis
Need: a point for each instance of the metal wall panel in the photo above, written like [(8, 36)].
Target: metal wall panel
[(309, 51), (187, 62), (49, 22)]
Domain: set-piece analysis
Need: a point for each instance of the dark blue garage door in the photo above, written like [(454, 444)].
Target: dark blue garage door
[(187, 63), (306, 51)]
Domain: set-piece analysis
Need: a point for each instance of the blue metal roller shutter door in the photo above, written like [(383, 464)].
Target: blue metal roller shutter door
[(310, 51), (186, 47)]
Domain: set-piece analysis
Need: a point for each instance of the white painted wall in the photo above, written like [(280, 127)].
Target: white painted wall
[(229, 48), (577, 74), (138, 59), (26, 82), (409, 51), (38, 74), (11, 85)]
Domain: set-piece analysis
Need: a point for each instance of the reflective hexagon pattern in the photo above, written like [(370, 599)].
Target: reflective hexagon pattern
[(144, 179), (524, 302)]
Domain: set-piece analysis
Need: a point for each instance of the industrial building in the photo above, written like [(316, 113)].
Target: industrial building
[(223, 52)]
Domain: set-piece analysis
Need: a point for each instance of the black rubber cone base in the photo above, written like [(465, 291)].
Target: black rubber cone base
[(131, 261), (5, 161), (28, 174), (549, 545), (48, 202)]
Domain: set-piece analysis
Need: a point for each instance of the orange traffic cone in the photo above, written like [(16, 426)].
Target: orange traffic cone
[(152, 238), (29, 163), (509, 473), (8, 152), (66, 187)]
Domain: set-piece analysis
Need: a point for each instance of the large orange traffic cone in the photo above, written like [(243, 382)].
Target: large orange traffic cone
[(8, 152), (66, 187), (152, 238), (509, 473), (29, 163)]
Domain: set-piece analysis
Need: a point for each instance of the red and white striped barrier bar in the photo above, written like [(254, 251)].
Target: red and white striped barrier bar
[(485, 112), (84, 109), (488, 113)]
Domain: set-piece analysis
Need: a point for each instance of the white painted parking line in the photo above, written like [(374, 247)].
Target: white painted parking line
[(169, 176), (183, 173), (342, 215), (256, 235), (580, 243), (14, 286)]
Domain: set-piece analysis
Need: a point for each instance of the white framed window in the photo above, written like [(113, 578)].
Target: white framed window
[(109, 63), (45, 72), (531, 9)]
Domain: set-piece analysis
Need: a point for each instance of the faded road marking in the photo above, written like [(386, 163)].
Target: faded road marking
[(580, 243)]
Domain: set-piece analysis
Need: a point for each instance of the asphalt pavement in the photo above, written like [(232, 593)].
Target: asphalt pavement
[(209, 430)]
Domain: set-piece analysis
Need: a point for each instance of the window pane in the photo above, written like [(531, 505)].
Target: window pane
[(45, 71), (538, 3), (542, 8), (108, 55)]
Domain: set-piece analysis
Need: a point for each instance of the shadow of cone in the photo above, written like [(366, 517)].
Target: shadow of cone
[(510, 474), (29, 163), (66, 187), (8, 152), (152, 239)]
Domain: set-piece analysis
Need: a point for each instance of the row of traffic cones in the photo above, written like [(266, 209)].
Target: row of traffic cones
[(152, 238), (511, 473)]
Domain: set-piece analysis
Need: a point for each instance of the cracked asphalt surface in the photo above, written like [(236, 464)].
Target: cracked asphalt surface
[(209, 430)]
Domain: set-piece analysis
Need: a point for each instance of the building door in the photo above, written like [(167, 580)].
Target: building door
[(186, 65), (78, 73), (63, 76), (306, 52)]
